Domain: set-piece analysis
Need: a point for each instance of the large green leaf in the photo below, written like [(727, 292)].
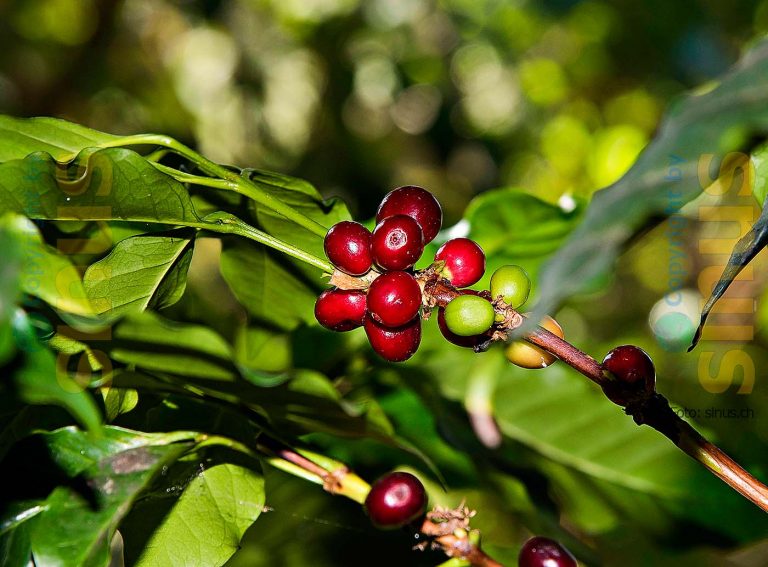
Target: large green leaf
[(20, 137), (665, 176), (108, 473), (272, 289), (205, 525), (46, 273), (150, 342), (110, 184), (141, 272)]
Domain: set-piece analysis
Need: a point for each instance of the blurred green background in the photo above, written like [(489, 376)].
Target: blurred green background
[(556, 98)]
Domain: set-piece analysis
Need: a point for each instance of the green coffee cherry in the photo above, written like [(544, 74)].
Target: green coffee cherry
[(512, 283), (469, 315)]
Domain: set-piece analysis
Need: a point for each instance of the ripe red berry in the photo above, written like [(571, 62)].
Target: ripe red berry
[(414, 202), (394, 298), (340, 309), (397, 243), (396, 500), (394, 344), (544, 552), (348, 246), (464, 261), (633, 374)]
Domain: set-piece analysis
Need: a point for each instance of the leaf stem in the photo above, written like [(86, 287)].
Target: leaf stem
[(236, 182)]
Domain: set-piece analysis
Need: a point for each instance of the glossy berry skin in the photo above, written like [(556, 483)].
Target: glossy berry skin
[(414, 202), (634, 373), (348, 246), (396, 500), (394, 298), (544, 552), (340, 309), (468, 315), (393, 344), (397, 243), (512, 284), (464, 261), (466, 342), (525, 355)]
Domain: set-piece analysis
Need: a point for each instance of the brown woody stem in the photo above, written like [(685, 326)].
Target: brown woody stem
[(653, 411)]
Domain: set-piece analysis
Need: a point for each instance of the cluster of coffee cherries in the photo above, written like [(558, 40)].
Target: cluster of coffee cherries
[(409, 218)]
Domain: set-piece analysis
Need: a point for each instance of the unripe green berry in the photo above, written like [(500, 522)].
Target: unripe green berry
[(512, 283), (468, 315)]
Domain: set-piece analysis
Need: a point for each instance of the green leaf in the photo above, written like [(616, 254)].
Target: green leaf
[(110, 184), (665, 176), (142, 272), (79, 519), (206, 524), (745, 250), (9, 289), (514, 227), (20, 137), (38, 380), (150, 342), (271, 288), (46, 273)]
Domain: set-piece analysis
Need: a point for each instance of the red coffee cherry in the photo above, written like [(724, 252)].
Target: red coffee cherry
[(464, 261), (634, 373), (340, 309), (397, 243), (394, 298), (396, 500), (395, 344), (414, 202), (544, 552), (348, 246)]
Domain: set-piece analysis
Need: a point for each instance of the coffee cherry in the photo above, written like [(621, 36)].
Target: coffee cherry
[(348, 246), (394, 298), (467, 342), (468, 315), (544, 552), (397, 243), (526, 355), (414, 202), (464, 261), (633, 374), (340, 309), (512, 283), (395, 344), (396, 500)]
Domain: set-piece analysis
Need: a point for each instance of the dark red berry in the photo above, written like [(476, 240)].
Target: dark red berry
[(633, 376), (397, 243), (394, 298), (467, 342), (544, 552), (340, 309), (394, 344), (348, 246), (417, 203), (464, 261), (396, 500)]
